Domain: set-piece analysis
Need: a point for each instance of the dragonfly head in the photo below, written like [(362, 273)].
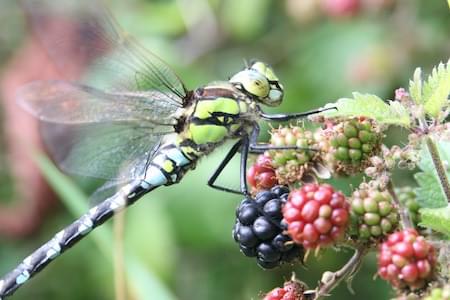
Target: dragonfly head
[(259, 81)]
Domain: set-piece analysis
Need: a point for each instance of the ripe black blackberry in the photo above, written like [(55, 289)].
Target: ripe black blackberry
[(259, 229)]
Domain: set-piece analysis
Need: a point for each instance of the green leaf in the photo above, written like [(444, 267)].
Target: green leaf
[(430, 193), (415, 86), (436, 89), (370, 106), (437, 219)]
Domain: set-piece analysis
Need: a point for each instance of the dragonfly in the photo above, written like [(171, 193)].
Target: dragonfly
[(139, 129)]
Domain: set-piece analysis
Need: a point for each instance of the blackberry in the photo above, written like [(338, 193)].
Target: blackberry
[(261, 175), (291, 290), (316, 215), (349, 144), (407, 197), (292, 165), (407, 259), (373, 213), (259, 229)]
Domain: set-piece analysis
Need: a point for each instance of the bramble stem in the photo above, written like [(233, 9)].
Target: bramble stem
[(405, 219), (439, 166), (346, 271)]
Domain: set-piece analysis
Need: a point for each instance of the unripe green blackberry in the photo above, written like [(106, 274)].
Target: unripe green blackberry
[(407, 197), (373, 213), (442, 293), (291, 165), (348, 144)]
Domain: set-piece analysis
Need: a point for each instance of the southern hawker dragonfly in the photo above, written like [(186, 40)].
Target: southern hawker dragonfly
[(141, 128)]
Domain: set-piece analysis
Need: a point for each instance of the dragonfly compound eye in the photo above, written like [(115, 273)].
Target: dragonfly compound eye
[(260, 81), (253, 82)]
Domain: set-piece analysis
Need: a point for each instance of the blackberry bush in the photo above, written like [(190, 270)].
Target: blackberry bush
[(260, 232), (377, 215)]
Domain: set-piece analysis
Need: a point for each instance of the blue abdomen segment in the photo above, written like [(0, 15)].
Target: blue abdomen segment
[(166, 167)]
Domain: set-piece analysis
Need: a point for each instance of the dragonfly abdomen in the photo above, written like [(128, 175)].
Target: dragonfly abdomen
[(167, 166)]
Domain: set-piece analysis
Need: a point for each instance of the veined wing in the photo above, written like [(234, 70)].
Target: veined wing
[(93, 133), (71, 103), (118, 61)]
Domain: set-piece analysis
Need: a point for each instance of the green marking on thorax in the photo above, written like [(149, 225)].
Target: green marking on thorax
[(211, 133), (203, 134), (222, 105)]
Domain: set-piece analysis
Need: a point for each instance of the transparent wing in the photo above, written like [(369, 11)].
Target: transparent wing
[(88, 32), (71, 103), (94, 133), (116, 151)]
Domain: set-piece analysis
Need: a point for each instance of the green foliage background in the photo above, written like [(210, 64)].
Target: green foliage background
[(178, 239)]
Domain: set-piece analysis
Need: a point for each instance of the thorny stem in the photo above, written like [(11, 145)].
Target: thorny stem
[(402, 210), (439, 166), (346, 271)]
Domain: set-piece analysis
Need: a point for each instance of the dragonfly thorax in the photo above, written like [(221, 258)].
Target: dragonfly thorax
[(218, 111)]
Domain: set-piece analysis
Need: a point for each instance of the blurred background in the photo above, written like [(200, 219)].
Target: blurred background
[(177, 241)]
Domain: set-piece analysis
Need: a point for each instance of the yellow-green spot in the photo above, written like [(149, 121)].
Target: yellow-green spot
[(203, 134), (168, 166), (205, 108)]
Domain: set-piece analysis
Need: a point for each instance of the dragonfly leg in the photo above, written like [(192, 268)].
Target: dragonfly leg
[(287, 117), (224, 163)]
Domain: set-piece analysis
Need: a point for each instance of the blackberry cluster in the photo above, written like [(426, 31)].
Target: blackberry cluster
[(292, 290), (291, 165), (373, 212), (407, 197), (316, 215), (349, 144), (261, 175), (259, 229), (406, 259)]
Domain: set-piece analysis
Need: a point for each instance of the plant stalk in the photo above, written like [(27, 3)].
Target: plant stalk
[(346, 271), (439, 166)]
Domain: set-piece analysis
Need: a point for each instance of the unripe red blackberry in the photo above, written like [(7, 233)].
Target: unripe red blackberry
[(341, 8), (407, 197), (292, 290), (291, 165), (316, 215), (406, 259), (349, 144), (261, 175), (373, 213), (441, 293), (260, 232)]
